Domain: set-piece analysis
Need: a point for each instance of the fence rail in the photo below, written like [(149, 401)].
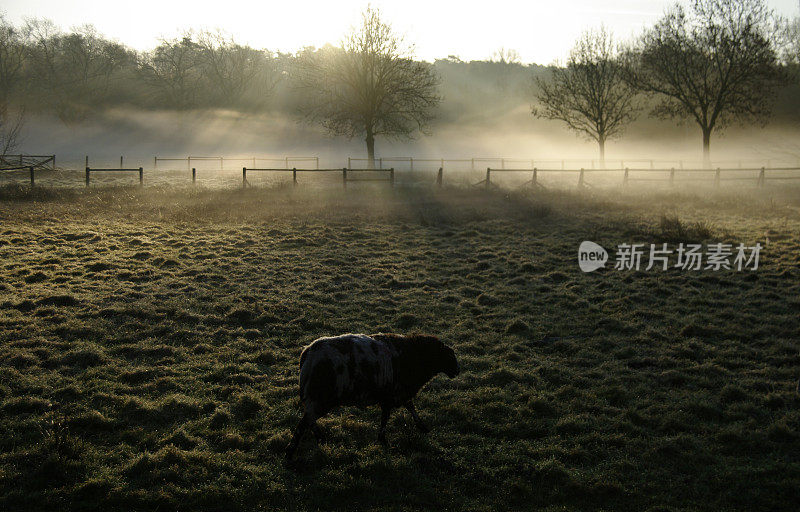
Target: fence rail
[(90, 170), (223, 161), (25, 161), (30, 169), (687, 174), (476, 163), (433, 169), (343, 170)]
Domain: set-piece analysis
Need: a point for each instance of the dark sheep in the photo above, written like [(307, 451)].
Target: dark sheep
[(356, 369)]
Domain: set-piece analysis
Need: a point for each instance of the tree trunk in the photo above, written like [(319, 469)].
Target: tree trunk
[(601, 141), (370, 150), (707, 148)]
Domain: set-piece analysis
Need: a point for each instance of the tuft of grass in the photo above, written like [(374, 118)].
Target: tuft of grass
[(246, 406), (672, 229), (83, 358)]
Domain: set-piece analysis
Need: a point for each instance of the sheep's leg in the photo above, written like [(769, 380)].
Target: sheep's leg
[(385, 412), (307, 421), (417, 420), (318, 433)]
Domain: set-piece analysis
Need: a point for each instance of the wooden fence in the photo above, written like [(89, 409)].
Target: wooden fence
[(758, 174), (7, 162), (140, 170), (343, 170), (223, 163), (502, 163), (419, 169), (30, 169)]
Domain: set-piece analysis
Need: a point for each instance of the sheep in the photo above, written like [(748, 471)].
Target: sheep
[(356, 369)]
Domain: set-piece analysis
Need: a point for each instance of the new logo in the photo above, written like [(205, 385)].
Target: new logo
[(591, 256)]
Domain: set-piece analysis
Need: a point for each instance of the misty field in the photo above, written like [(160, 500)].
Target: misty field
[(150, 342)]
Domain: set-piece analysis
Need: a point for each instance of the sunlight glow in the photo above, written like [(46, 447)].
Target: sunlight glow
[(540, 31)]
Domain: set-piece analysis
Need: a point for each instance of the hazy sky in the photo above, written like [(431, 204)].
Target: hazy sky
[(541, 31)]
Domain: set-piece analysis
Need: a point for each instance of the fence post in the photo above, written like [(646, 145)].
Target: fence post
[(488, 176), (87, 160), (625, 178), (380, 163), (761, 178), (194, 175), (535, 178), (344, 177), (349, 165), (141, 176), (412, 163), (120, 162), (672, 177), (294, 176), (580, 179), (391, 176), (716, 178), (439, 177), (155, 162), (87, 173), (31, 170), (244, 177)]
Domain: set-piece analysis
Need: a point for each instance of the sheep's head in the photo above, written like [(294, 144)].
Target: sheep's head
[(449, 363), (432, 356), (444, 358)]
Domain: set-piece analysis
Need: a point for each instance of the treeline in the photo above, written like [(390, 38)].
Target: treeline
[(75, 73)]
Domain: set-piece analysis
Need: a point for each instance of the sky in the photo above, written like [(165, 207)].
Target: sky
[(541, 31)]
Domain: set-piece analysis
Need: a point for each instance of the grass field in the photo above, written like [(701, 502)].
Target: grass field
[(149, 342)]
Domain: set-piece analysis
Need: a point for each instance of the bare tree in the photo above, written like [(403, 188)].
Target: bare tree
[(506, 56), (791, 43), (230, 69), (504, 61), (714, 64), (172, 68), (590, 94), (12, 60), (371, 87), (72, 70), (10, 128)]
